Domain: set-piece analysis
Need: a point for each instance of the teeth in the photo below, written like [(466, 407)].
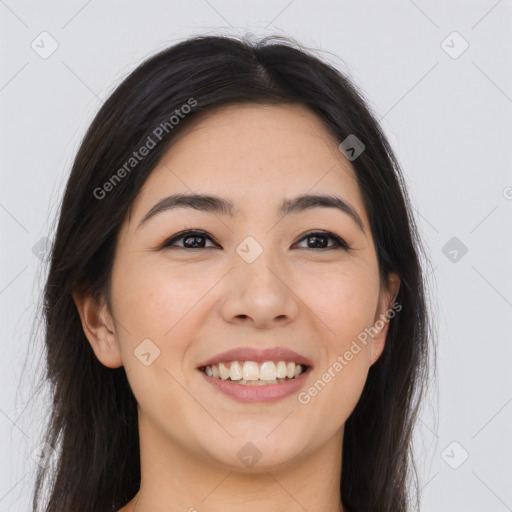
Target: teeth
[(268, 371), (252, 373), (235, 371), (281, 370), (223, 371)]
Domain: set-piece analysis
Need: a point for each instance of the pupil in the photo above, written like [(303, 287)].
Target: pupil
[(316, 237), (194, 237)]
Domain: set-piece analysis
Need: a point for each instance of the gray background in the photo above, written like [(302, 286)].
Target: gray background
[(446, 115)]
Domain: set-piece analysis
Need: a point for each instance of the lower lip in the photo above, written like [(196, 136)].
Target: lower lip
[(263, 393)]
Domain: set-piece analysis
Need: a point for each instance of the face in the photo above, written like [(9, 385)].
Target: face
[(306, 281)]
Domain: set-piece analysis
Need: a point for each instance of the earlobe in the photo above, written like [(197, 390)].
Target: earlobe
[(382, 317), (98, 327)]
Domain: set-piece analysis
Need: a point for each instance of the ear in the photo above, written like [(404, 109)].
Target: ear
[(385, 311), (98, 326)]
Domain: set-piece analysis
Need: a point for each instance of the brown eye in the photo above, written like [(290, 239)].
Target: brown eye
[(191, 240), (320, 240)]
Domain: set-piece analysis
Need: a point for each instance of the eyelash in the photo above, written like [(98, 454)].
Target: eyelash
[(340, 243)]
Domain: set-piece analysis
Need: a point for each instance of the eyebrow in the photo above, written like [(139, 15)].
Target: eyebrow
[(223, 206)]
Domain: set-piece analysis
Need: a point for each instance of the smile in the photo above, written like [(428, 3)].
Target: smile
[(249, 381), (251, 373)]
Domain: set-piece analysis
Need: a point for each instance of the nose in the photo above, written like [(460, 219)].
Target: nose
[(259, 294)]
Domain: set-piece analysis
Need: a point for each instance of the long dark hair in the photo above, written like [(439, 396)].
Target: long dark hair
[(93, 422)]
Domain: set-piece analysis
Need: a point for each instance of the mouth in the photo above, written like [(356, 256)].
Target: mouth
[(252, 373), (250, 381)]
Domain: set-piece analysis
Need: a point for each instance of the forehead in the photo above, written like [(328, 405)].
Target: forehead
[(255, 155)]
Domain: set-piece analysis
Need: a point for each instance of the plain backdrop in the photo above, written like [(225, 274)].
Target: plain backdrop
[(439, 76)]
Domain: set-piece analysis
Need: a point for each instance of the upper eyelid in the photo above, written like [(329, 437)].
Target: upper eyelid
[(190, 232)]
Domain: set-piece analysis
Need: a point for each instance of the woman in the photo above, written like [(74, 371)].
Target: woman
[(235, 309)]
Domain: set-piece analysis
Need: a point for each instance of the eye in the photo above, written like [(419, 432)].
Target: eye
[(192, 240), (320, 238)]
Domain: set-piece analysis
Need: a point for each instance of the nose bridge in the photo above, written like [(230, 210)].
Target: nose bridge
[(258, 262), (258, 286)]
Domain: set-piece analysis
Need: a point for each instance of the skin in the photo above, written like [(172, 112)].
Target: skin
[(195, 303)]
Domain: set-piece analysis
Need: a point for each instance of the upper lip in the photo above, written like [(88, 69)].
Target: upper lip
[(258, 355)]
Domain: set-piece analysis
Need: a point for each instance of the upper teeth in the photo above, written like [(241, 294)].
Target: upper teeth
[(251, 370)]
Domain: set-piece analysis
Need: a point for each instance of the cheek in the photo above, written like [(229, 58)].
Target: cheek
[(156, 302), (343, 298), (348, 384), (152, 298), (334, 393)]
